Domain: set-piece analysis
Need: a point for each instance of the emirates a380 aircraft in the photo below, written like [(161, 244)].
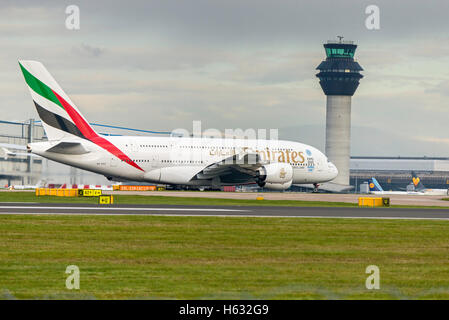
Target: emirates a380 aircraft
[(274, 164)]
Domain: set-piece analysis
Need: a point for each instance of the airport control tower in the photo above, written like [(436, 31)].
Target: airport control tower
[(339, 78)]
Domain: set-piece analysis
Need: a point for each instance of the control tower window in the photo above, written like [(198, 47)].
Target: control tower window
[(339, 52)]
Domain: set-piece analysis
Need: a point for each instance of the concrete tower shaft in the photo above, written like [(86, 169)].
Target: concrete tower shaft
[(338, 135), (339, 78)]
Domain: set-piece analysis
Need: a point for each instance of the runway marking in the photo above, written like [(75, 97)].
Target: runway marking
[(124, 208), (381, 218), (220, 215)]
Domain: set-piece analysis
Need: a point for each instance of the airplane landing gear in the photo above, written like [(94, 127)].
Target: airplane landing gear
[(315, 187)]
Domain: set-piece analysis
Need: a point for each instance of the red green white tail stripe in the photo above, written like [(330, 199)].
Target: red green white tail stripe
[(58, 113)]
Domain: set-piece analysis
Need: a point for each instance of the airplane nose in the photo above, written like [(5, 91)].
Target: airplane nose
[(333, 170)]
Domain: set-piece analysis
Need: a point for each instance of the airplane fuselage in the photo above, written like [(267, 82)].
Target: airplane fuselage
[(176, 160)]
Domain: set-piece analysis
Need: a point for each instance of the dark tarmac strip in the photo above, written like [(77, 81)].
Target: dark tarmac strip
[(238, 211)]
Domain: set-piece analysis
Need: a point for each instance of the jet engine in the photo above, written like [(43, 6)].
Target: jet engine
[(276, 176)]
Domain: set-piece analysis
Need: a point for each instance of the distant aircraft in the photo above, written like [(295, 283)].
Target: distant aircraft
[(376, 188), (419, 187), (39, 184), (272, 164), (5, 151)]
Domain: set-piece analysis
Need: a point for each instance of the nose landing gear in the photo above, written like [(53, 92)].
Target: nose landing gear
[(315, 187)]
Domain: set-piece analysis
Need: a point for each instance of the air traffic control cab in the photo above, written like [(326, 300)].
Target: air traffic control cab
[(339, 77)]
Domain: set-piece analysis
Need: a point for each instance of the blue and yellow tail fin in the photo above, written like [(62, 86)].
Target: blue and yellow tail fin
[(374, 185)]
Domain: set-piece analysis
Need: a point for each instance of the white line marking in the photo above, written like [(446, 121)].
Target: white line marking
[(218, 215), (381, 218), (122, 208)]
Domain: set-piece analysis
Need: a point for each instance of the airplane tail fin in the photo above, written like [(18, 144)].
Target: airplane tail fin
[(60, 117), (41, 183), (417, 182), (374, 185)]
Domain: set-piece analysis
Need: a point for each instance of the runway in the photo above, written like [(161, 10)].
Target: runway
[(224, 211), (395, 199)]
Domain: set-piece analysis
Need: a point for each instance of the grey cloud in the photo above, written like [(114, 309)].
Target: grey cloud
[(87, 50), (272, 22), (245, 64), (441, 88), (258, 22), (381, 142)]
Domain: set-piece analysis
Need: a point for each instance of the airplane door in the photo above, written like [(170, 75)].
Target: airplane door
[(155, 164), (132, 146), (114, 161)]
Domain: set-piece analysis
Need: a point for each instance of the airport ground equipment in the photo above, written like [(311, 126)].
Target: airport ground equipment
[(56, 192), (339, 78), (374, 202), (62, 192)]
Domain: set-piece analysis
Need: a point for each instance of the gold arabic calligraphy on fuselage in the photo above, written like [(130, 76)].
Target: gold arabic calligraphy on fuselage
[(284, 155)]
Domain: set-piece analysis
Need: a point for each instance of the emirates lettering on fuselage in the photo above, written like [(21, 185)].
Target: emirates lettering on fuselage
[(287, 156)]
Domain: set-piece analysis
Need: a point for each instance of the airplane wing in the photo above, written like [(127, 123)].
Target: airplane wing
[(236, 168)]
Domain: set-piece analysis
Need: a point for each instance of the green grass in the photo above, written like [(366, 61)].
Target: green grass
[(140, 199), (208, 257)]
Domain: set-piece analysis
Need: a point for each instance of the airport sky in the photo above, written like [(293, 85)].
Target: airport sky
[(159, 65)]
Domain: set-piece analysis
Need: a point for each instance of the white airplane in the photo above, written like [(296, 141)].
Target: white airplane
[(39, 184), (419, 187), (5, 151), (376, 188), (273, 164)]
